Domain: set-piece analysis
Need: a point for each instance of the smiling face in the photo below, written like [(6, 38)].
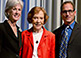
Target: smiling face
[(38, 20), (15, 12), (68, 13)]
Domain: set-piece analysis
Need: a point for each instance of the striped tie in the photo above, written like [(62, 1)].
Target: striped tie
[(64, 43)]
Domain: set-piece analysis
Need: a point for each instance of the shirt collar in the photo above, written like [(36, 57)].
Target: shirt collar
[(71, 26)]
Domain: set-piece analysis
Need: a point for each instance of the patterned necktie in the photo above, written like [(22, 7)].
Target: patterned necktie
[(64, 43)]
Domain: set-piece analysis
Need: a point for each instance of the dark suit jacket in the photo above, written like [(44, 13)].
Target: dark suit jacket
[(74, 46), (9, 43)]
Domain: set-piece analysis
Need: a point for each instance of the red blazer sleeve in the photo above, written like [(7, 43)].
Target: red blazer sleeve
[(52, 47)]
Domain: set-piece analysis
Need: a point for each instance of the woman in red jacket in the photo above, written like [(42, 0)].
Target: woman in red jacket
[(37, 42)]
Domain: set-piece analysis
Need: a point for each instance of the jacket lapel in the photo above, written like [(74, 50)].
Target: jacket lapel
[(30, 37), (74, 32), (9, 29), (59, 34), (44, 36), (19, 37)]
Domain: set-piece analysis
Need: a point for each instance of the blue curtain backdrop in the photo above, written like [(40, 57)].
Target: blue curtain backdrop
[(52, 8), (24, 23)]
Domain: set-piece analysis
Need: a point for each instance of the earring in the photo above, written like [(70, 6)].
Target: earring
[(8, 14)]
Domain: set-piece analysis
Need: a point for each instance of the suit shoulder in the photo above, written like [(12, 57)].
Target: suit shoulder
[(24, 31), (77, 25), (1, 25), (27, 31), (56, 30), (50, 33)]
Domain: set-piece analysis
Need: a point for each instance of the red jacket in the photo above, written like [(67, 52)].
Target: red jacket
[(46, 48)]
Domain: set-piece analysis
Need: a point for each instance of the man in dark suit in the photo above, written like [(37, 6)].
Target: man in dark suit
[(73, 48)]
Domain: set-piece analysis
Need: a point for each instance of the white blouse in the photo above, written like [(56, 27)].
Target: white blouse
[(36, 39)]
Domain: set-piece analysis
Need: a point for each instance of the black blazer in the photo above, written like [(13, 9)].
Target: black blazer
[(74, 46), (9, 43)]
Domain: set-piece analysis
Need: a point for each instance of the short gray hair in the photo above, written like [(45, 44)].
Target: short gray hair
[(12, 3)]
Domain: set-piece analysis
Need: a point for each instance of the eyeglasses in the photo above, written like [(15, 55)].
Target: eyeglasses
[(70, 11)]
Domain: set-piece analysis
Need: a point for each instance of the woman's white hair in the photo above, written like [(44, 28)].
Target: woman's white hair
[(12, 3)]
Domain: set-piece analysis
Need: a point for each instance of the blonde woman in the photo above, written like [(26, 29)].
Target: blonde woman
[(9, 31)]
